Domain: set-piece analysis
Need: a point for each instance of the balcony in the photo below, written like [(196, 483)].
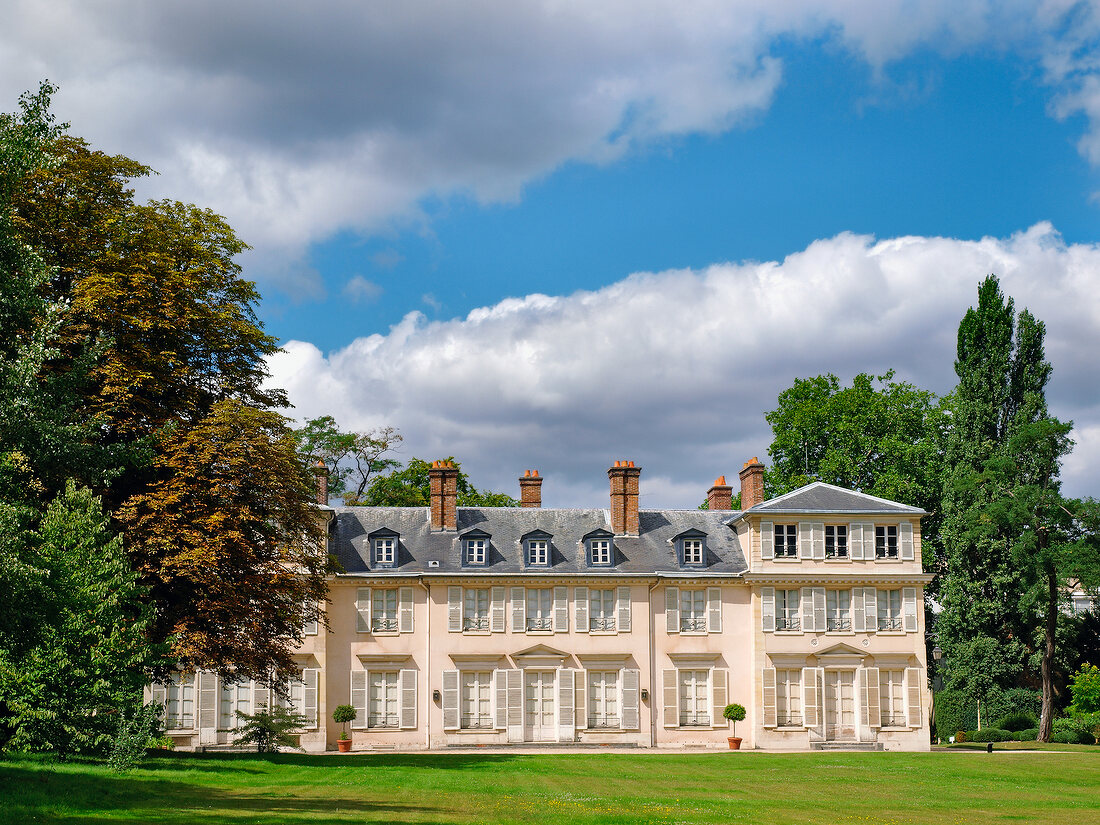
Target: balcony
[(788, 623), (694, 721), (693, 625), (602, 623), (539, 623), (476, 623), (838, 623), (890, 623), (602, 722), (384, 625)]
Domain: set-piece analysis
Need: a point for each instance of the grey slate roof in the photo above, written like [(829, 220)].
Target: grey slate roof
[(820, 497), (651, 552)]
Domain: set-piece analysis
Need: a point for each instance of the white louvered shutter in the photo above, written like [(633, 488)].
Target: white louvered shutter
[(406, 684), (767, 608), (580, 608), (500, 699), (872, 709), (561, 609), (359, 698), (806, 605), (769, 697), (631, 719), (159, 693), (519, 610), (855, 541), (450, 700), (496, 610), (810, 715), (454, 609), (767, 540), (805, 540), (405, 609), (859, 615), (818, 534), (622, 608), (310, 627), (870, 605), (514, 688), (672, 609), (819, 608), (670, 696), (912, 690), (566, 724), (719, 697), (310, 677), (362, 610), (868, 540), (909, 608), (580, 701), (714, 610), (905, 540), (207, 689)]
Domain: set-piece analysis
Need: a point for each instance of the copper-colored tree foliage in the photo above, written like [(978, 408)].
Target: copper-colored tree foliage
[(225, 541)]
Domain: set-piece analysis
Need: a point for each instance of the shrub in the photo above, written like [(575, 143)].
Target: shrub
[(1072, 737), (1086, 690), (960, 735), (1017, 722), (342, 715), (133, 736), (1029, 735), (989, 735), (958, 710), (269, 730), (1083, 727)]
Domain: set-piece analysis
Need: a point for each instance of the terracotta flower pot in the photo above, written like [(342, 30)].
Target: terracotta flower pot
[(344, 745), (735, 742)]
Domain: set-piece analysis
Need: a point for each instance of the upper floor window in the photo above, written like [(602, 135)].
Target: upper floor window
[(475, 614), (601, 610), (886, 541), (538, 552), (836, 541), (477, 551), (599, 551), (838, 610), (693, 611), (384, 611), (539, 609), (385, 550), (692, 550), (786, 610), (889, 610), (786, 540)]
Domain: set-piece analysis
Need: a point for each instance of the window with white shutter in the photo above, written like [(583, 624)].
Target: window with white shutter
[(407, 687), (870, 696), (622, 607), (519, 615), (892, 698), (906, 540), (767, 540), (672, 610), (405, 609), (913, 689), (603, 699), (476, 700), (719, 696), (454, 609), (630, 716), (362, 610), (767, 608), (768, 680), (580, 607), (601, 611), (475, 609), (714, 610), (496, 610), (383, 610), (788, 698), (909, 606), (889, 611), (451, 699), (359, 698), (561, 611), (566, 694)]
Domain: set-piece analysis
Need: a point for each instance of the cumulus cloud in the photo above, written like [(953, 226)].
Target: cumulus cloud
[(299, 120), (360, 290), (676, 369)]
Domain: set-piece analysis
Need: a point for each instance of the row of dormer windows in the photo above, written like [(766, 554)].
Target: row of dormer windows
[(841, 542)]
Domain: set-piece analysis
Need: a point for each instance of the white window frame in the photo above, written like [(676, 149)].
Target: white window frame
[(892, 698), (609, 683), (788, 615), (241, 699), (538, 620), (838, 618), (836, 535), (599, 552), (475, 712), (693, 551), (538, 552), (884, 535), (386, 699), (477, 551), (690, 717), (785, 541), (382, 620), (890, 621), (788, 698), (602, 610), (385, 550), (475, 620), (692, 620), (175, 693)]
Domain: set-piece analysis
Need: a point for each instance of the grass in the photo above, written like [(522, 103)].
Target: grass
[(939, 787)]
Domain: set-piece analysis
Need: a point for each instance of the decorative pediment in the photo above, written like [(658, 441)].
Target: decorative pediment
[(540, 656), (840, 655), (476, 533), (536, 535)]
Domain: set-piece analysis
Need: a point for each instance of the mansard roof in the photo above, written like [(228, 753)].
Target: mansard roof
[(422, 551), (820, 497)]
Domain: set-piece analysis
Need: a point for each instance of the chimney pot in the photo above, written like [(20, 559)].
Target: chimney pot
[(752, 483), (720, 495), (320, 487), (530, 489)]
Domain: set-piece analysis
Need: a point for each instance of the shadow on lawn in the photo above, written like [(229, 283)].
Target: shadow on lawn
[(48, 795), (253, 762)]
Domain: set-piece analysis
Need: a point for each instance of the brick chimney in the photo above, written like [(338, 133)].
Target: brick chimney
[(443, 479), (720, 495), (530, 489), (752, 483), (624, 498), (320, 476)]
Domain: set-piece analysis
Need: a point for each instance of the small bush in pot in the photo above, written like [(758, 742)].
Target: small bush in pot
[(342, 715), (735, 713)]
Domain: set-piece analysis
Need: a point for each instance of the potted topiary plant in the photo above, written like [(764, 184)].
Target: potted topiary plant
[(735, 713), (342, 715)]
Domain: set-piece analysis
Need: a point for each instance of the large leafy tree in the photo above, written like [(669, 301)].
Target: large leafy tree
[(411, 487), (227, 541), (880, 436), (352, 459)]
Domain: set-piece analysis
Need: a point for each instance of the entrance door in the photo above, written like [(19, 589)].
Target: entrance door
[(840, 705), (538, 700)]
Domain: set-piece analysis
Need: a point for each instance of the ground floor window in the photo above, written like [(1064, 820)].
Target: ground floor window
[(382, 699), (788, 698), (892, 698), (694, 698), (603, 699), (476, 698), (235, 697), (179, 704)]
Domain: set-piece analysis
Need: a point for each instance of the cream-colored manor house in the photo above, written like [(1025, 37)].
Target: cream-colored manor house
[(458, 627)]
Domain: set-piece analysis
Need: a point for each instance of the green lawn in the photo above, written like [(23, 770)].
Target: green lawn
[(941, 787)]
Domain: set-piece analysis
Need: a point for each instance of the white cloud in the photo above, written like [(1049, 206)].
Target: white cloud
[(676, 369), (298, 120), (360, 290)]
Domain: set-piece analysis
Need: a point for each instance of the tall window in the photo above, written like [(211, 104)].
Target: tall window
[(603, 699), (889, 610), (788, 698), (838, 609), (836, 541), (384, 611), (385, 550), (179, 709), (475, 613), (601, 610), (539, 616), (786, 610), (693, 551), (600, 550), (693, 611), (538, 552), (786, 540), (694, 697), (476, 551), (892, 697), (382, 699), (476, 693), (235, 697), (886, 541)]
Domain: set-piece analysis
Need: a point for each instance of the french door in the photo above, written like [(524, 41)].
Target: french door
[(840, 705), (540, 722)]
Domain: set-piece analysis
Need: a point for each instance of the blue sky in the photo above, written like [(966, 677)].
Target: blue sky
[(555, 234)]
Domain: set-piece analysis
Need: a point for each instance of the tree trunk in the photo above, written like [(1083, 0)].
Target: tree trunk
[(1046, 719)]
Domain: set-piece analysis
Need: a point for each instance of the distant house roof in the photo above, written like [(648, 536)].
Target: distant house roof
[(820, 497), (422, 551)]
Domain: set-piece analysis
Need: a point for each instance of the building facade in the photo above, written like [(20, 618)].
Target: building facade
[(454, 626)]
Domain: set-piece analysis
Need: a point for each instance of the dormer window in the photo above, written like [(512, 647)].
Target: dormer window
[(538, 552), (385, 550), (599, 551), (691, 548), (693, 551), (477, 551)]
